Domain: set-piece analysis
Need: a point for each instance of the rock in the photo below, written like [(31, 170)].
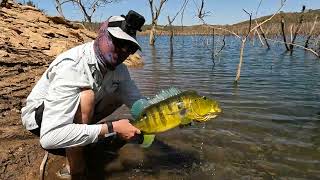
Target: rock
[(3, 53), (26, 29), (25, 7), (134, 60), (60, 20), (43, 19), (36, 41), (30, 16)]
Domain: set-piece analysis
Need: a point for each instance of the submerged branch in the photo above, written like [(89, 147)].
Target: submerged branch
[(297, 45)]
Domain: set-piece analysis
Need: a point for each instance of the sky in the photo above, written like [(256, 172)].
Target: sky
[(220, 11)]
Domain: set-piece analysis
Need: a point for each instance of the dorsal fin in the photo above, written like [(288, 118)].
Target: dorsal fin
[(140, 105), (163, 95)]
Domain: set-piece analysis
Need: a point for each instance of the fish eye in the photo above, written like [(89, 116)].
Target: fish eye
[(180, 105), (144, 115), (204, 97)]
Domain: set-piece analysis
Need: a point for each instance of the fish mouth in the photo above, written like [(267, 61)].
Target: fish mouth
[(206, 117)]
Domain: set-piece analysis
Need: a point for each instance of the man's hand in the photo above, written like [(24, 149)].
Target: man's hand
[(124, 129)]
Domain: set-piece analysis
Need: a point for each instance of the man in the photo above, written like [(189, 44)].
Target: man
[(82, 86)]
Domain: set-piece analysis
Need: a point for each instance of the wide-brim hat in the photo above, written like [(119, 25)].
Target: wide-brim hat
[(125, 27)]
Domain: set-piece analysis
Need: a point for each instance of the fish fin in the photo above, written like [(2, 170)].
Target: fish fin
[(185, 121), (138, 107), (147, 140), (164, 94)]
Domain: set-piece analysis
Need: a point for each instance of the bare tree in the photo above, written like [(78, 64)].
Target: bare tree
[(171, 20), (87, 7), (244, 38), (201, 12), (284, 34), (59, 4), (310, 33), (155, 13), (297, 29), (260, 31)]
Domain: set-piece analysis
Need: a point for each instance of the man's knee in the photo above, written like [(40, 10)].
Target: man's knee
[(86, 107), (47, 141)]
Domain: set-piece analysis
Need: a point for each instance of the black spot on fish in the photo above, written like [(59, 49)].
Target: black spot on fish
[(169, 107), (183, 112), (180, 105), (162, 117), (147, 120), (203, 97)]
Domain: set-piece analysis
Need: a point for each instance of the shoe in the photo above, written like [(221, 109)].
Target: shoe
[(64, 173)]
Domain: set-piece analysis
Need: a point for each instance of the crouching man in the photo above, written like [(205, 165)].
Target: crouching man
[(82, 86)]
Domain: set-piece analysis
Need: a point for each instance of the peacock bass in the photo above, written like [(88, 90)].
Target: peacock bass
[(169, 109)]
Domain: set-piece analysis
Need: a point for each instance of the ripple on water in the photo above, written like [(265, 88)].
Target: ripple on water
[(270, 123)]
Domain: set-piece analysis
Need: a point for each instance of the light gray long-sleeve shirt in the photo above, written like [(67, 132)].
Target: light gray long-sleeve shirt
[(59, 88)]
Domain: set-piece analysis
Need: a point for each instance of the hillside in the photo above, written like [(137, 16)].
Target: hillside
[(271, 28)]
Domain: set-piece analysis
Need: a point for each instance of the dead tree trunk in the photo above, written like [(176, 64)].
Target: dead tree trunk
[(59, 7), (85, 13), (152, 38), (284, 34), (264, 36), (310, 33), (243, 43), (184, 4), (213, 53), (171, 36), (297, 29), (155, 13), (259, 36)]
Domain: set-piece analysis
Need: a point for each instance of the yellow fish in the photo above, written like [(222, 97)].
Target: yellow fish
[(169, 109)]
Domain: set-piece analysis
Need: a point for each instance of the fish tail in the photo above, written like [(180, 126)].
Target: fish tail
[(147, 140)]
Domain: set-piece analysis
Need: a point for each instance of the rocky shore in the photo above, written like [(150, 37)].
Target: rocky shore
[(29, 41)]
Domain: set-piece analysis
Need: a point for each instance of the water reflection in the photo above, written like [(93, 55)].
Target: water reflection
[(270, 126)]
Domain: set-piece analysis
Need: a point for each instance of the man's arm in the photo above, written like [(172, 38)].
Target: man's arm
[(58, 129)]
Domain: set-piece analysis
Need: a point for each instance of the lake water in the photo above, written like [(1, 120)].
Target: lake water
[(270, 126)]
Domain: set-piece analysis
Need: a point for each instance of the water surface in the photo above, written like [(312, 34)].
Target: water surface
[(270, 127)]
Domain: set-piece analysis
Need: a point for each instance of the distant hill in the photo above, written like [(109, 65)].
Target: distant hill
[(272, 27), (290, 17)]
